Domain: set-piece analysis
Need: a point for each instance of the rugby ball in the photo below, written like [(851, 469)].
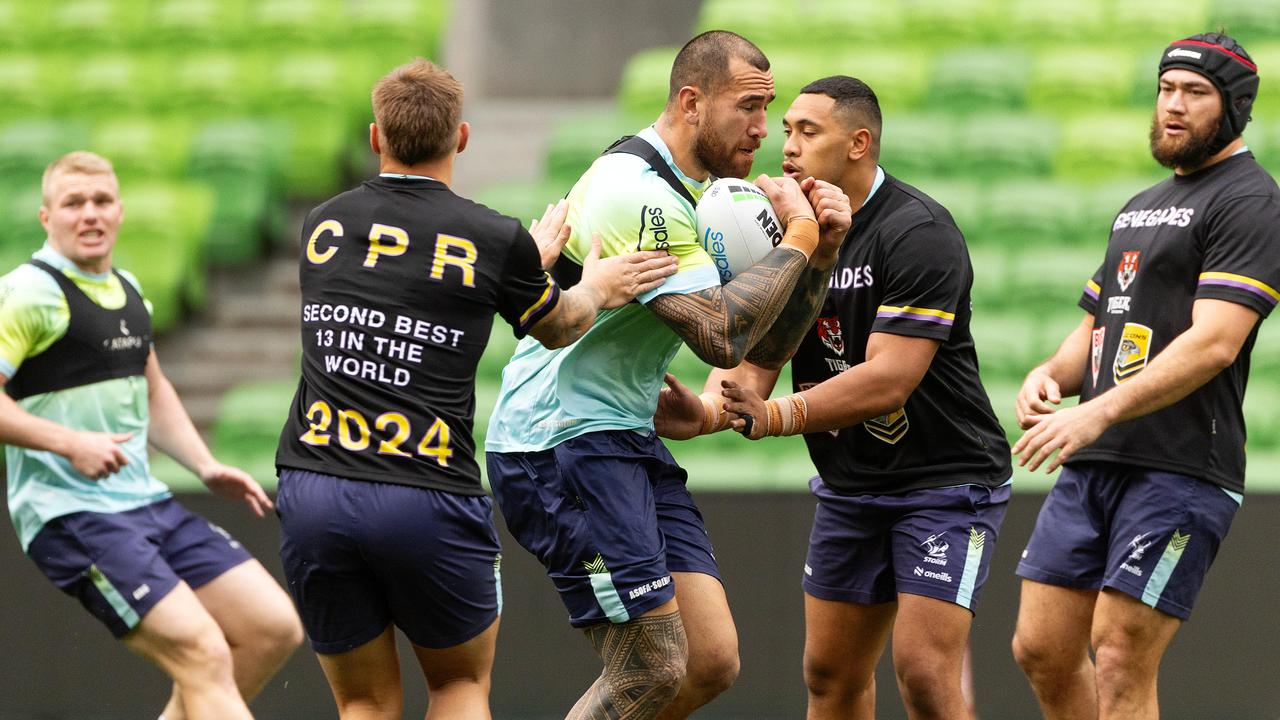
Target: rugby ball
[(736, 225)]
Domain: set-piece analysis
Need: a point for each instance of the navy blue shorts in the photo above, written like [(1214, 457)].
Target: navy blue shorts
[(935, 542), (359, 556), (119, 565), (609, 516), (1149, 534)]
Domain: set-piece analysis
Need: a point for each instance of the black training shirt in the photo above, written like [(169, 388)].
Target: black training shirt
[(400, 281), (1211, 234), (904, 270)]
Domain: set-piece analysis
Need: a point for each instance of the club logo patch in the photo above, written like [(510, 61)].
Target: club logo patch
[(1128, 269), (1131, 356), (1095, 356), (890, 428), (830, 334)]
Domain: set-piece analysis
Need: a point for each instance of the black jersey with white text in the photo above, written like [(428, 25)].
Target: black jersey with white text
[(1212, 234), (904, 269), (400, 281)]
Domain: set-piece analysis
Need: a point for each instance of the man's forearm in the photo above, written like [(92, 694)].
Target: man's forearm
[(793, 323), (170, 429), (721, 324), (21, 428), (1066, 365), (572, 317)]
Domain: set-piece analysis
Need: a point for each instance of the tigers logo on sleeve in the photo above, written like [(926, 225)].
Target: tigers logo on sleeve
[(1095, 358), (1131, 356)]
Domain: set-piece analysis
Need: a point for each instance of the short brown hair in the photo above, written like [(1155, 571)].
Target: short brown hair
[(703, 62), (417, 107), (82, 162)]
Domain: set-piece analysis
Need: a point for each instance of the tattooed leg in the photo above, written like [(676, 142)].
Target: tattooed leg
[(644, 664)]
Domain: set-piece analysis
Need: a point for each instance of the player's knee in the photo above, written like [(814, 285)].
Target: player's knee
[(714, 672), (204, 656), (926, 676), (829, 678), (1033, 655)]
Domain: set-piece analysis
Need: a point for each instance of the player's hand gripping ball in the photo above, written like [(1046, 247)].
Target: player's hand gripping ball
[(736, 225)]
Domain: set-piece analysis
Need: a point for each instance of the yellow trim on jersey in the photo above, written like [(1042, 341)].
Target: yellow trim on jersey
[(917, 311), (538, 304), (1095, 287), (1242, 279)]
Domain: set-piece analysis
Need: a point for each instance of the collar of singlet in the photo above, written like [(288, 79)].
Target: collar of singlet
[(1243, 149), (62, 263), (403, 176)]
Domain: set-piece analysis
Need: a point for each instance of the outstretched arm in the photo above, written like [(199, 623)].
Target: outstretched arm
[(172, 433)]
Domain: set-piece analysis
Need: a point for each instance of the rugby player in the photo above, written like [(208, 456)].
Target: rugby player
[(84, 394), (384, 519), (581, 478), (1153, 457), (913, 467)]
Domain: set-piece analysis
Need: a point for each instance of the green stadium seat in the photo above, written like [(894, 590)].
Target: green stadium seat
[(1072, 79), (1157, 21), (1005, 145), (191, 24), (247, 428), (766, 22), (1246, 20), (23, 85), (990, 286), (1022, 213), (122, 23), (23, 23), (1007, 340), (1263, 138), (826, 22), (919, 146), (242, 160), (315, 164), (943, 23), (980, 79), (1262, 411), (110, 83), (643, 90), (963, 198), (1099, 147), (1046, 280), (1267, 57), (28, 146), (212, 83), (899, 77), (523, 200), (281, 23), (1032, 22), (413, 26), (142, 146), (20, 230), (577, 141), (161, 242), (1103, 201)]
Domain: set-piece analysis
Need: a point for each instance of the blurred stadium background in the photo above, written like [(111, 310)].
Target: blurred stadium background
[(228, 119)]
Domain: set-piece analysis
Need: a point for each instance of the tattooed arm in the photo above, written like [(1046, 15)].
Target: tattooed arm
[(834, 219), (721, 324)]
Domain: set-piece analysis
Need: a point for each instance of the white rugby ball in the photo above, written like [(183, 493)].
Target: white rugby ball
[(736, 225)]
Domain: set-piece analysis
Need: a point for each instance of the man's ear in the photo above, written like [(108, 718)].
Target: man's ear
[(690, 101), (860, 144), (374, 145), (464, 134)]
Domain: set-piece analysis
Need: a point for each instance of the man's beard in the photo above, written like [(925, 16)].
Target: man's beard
[(1190, 151), (715, 158)]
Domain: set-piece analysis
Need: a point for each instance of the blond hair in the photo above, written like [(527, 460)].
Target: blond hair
[(417, 107), (82, 162)]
